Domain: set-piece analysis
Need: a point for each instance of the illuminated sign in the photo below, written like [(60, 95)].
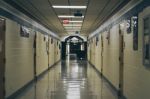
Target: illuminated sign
[(65, 21)]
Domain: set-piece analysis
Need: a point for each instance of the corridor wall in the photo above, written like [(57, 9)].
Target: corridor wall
[(19, 58), (136, 74), (123, 53), (28, 55)]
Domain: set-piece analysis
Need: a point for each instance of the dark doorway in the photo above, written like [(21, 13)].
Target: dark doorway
[(74, 45), (2, 58)]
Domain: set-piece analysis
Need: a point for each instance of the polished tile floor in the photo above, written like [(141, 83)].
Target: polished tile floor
[(70, 79)]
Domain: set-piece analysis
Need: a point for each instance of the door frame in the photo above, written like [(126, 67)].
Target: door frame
[(2, 57), (102, 52)]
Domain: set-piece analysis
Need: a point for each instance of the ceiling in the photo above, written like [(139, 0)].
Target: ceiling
[(95, 14)]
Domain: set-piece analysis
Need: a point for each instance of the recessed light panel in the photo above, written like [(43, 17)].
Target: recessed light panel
[(69, 7), (75, 21), (70, 27), (74, 25), (69, 16)]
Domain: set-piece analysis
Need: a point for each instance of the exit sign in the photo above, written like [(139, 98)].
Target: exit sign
[(65, 21)]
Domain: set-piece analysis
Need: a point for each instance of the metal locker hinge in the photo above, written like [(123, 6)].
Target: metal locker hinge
[(4, 79), (4, 60), (119, 85)]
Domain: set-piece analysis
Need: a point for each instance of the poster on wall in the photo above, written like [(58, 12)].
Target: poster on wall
[(135, 32), (146, 41), (24, 31), (128, 25)]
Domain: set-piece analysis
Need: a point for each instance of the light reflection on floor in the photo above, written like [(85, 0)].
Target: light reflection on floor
[(70, 79)]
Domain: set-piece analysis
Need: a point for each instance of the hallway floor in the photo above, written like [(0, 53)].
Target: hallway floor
[(70, 79)]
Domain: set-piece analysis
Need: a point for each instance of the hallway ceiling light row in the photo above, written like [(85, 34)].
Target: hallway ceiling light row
[(52, 13), (68, 21)]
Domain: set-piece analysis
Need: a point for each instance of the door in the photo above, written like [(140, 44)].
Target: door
[(121, 59), (2, 58)]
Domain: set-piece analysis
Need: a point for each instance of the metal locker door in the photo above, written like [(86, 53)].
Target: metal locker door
[(2, 58)]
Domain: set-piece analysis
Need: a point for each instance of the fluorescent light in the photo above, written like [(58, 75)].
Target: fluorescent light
[(69, 7), (66, 16), (72, 27), (75, 21), (69, 16), (72, 30), (76, 25)]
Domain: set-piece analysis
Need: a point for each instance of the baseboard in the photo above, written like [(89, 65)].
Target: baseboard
[(44, 72), (106, 80), (30, 83), (25, 87)]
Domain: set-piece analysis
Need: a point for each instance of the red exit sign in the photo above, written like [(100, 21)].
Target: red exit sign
[(65, 21)]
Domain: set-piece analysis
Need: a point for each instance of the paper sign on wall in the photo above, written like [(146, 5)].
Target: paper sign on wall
[(24, 31)]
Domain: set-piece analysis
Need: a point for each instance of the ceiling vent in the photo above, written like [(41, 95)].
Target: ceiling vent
[(78, 13)]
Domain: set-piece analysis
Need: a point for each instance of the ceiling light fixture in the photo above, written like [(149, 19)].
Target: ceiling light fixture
[(73, 25), (69, 16), (75, 21), (69, 7), (71, 30)]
